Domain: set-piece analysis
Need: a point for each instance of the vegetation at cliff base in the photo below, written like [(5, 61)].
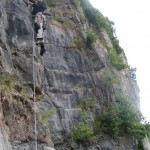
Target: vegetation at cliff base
[(121, 118)]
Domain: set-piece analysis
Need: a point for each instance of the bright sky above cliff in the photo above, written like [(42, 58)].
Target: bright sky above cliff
[(132, 22)]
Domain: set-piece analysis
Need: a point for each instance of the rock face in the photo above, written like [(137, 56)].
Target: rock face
[(65, 75)]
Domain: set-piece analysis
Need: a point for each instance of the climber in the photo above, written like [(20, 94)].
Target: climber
[(39, 22), (39, 26), (38, 6)]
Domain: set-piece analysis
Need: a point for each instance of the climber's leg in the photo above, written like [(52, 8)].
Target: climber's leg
[(42, 49), (40, 35)]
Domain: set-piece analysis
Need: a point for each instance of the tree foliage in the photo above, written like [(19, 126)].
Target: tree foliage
[(121, 118)]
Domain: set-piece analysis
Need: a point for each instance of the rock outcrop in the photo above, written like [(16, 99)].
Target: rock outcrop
[(65, 75)]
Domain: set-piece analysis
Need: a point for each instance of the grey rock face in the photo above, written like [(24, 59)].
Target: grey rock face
[(65, 75), (4, 143)]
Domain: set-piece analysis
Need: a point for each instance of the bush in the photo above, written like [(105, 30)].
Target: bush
[(83, 133), (121, 118), (115, 60), (91, 38), (87, 104), (108, 121), (79, 43)]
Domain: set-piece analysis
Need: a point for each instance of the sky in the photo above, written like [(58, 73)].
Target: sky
[(132, 22)]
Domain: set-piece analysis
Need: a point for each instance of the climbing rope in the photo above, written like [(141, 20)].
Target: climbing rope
[(34, 97), (34, 78)]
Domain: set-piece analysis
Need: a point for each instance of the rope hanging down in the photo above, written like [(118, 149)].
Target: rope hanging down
[(34, 79), (34, 97)]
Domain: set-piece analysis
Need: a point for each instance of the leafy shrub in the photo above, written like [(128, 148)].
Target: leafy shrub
[(79, 43), (87, 104), (82, 105), (108, 121), (91, 38), (83, 133), (121, 118), (115, 60)]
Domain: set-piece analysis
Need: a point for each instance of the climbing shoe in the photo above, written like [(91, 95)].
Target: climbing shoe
[(42, 51)]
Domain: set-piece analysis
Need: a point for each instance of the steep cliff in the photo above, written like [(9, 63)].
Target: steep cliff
[(72, 78)]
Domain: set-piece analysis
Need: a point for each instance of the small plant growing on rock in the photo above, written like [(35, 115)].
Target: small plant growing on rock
[(47, 115), (60, 20), (115, 60), (91, 38), (7, 84), (87, 104), (109, 79), (79, 42), (83, 133)]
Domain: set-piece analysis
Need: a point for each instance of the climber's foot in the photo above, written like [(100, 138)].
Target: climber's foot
[(42, 51)]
